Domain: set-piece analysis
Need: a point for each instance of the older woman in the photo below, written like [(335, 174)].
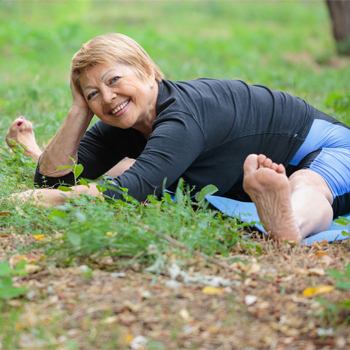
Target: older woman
[(290, 159)]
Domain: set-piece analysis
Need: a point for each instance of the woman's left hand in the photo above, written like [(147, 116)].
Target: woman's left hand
[(51, 197)]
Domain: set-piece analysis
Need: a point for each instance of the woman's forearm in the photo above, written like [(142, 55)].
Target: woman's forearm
[(64, 144)]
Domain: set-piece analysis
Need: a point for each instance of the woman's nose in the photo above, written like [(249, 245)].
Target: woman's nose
[(108, 95)]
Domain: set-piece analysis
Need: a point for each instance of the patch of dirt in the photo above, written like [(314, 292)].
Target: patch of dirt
[(265, 310), (316, 63)]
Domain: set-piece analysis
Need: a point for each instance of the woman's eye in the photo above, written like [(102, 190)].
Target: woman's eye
[(114, 80), (90, 96)]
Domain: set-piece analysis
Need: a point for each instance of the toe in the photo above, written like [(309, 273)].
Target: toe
[(250, 164), (261, 159), (281, 169), (267, 163), (274, 166)]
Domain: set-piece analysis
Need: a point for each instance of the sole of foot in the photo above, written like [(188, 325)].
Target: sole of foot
[(267, 185)]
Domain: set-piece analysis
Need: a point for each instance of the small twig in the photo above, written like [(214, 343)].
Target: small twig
[(83, 313), (205, 257), (132, 260)]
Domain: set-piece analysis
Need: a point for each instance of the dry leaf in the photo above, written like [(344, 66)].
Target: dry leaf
[(209, 290), (252, 268), (127, 304), (302, 272), (105, 260), (309, 292), (326, 260), (319, 271), (39, 237), (213, 329), (250, 299), (15, 259), (128, 338), (138, 343), (111, 234), (238, 265), (184, 314), (14, 302), (263, 305), (321, 253), (4, 213), (111, 319), (32, 268)]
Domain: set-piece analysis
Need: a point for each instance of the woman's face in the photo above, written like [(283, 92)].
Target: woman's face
[(116, 94)]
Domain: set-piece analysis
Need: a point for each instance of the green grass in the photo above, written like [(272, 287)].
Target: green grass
[(285, 45), (256, 42)]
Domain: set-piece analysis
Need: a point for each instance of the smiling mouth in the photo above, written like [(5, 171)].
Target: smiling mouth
[(120, 107)]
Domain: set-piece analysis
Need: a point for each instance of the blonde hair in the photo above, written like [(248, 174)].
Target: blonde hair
[(113, 47)]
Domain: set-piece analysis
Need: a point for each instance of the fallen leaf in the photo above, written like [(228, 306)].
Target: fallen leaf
[(127, 320), (309, 292), (316, 271), (14, 302), (15, 259), (4, 213), (111, 319), (263, 305), (39, 237), (32, 268), (250, 299), (128, 338), (209, 290), (320, 253), (146, 295), (213, 329), (252, 268), (326, 260), (172, 284), (111, 234), (138, 343), (301, 271), (321, 332), (105, 260), (127, 304), (184, 314)]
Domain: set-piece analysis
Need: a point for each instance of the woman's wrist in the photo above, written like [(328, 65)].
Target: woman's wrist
[(65, 143)]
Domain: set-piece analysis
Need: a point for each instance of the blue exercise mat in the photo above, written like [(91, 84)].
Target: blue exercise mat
[(247, 212)]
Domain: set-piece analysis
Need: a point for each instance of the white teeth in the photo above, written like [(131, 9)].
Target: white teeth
[(120, 107)]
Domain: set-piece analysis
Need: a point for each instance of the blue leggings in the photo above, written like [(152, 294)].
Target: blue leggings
[(326, 151)]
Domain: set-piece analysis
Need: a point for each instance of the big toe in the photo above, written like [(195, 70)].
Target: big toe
[(14, 127), (250, 164)]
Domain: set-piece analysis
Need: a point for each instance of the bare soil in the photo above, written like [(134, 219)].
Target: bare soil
[(99, 309)]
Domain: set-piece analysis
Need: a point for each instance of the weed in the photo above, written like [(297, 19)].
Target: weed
[(257, 42), (7, 290), (337, 312)]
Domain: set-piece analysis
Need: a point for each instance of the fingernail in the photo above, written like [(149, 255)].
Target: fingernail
[(21, 117), (19, 123)]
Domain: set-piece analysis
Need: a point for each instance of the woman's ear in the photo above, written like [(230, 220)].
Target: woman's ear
[(151, 77)]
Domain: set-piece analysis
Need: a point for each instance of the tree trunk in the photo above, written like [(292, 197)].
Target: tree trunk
[(340, 15)]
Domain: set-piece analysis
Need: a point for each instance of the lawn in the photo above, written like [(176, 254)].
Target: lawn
[(93, 275)]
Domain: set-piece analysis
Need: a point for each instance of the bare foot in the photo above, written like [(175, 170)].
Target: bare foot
[(21, 131), (267, 185)]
